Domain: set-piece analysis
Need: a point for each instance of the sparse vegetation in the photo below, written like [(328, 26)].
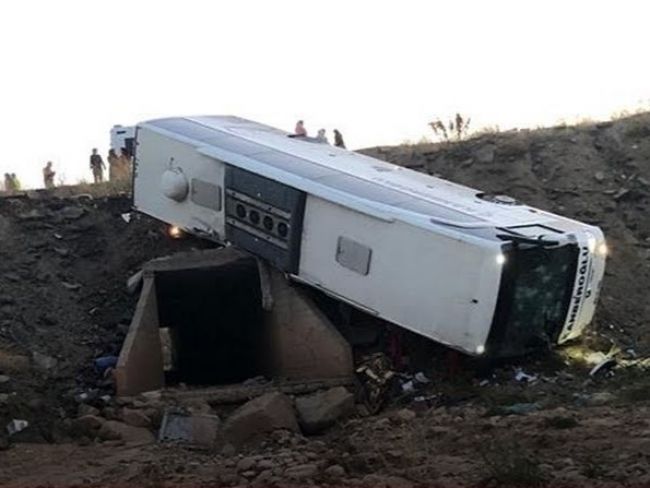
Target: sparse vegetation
[(456, 128), (114, 187)]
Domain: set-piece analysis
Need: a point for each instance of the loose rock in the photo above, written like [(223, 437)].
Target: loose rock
[(301, 471), (88, 425), (135, 418), (264, 414), (321, 410), (335, 471), (404, 415), (114, 430)]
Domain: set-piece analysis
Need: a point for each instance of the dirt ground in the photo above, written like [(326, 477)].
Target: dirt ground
[(64, 262)]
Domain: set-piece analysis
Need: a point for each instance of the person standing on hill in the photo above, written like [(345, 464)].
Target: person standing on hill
[(338, 139), (48, 175), (300, 129), (124, 166), (322, 137), (113, 162), (15, 182), (9, 185), (98, 166)]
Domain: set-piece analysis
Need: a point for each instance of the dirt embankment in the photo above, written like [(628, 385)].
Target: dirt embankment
[(64, 263)]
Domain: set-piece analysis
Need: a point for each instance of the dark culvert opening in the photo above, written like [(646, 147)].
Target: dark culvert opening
[(215, 322)]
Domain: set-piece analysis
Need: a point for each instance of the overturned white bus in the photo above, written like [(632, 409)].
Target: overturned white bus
[(481, 273)]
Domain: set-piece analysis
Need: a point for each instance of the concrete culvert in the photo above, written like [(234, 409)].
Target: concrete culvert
[(200, 321), (215, 319)]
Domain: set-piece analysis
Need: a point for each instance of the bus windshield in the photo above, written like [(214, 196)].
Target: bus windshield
[(535, 294)]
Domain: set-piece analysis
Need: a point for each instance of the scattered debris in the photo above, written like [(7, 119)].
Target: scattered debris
[(619, 195), (200, 430), (61, 251), (522, 376), (126, 217), (16, 425), (376, 375), (105, 363), (518, 409), (605, 365), (71, 286), (134, 282), (421, 378)]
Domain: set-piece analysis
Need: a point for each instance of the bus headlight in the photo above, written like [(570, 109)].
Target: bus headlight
[(591, 243), (480, 349), (501, 259), (602, 249), (174, 232)]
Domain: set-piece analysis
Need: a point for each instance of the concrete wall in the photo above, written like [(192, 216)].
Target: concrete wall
[(303, 343), (140, 365)]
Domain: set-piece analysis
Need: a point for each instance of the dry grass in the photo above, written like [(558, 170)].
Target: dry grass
[(96, 190)]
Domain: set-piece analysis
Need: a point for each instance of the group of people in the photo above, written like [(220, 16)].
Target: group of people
[(301, 131), (119, 166), (11, 183)]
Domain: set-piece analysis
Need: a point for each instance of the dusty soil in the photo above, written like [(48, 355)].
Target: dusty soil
[(63, 266)]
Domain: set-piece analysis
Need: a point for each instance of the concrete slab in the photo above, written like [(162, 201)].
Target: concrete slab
[(303, 343), (140, 365)]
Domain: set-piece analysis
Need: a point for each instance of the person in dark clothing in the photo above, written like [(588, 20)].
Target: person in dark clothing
[(98, 166), (338, 139)]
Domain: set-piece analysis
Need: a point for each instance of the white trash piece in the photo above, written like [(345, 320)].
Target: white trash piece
[(16, 426)]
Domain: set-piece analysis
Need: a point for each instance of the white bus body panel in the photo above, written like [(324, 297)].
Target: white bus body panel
[(148, 197), (428, 283)]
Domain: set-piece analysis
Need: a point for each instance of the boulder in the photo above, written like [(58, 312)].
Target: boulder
[(404, 415), (321, 410), (114, 430), (259, 416), (72, 213), (335, 471), (43, 361), (600, 398), (88, 425), (135, 418), (301, 471), (85, 409)]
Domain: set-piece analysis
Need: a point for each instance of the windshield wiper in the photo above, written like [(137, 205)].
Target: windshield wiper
[(528, 240)]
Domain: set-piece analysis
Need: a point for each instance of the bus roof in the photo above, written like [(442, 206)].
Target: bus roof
[(381, 189)]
